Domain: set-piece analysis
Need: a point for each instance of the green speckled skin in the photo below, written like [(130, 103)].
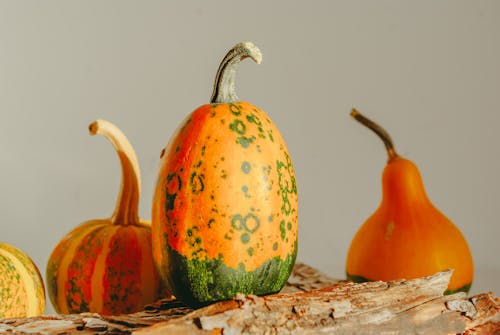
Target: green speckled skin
[(22, 291)]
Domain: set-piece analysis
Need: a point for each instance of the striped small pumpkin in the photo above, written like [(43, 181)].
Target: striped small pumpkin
[(106, 266), (22, 293)]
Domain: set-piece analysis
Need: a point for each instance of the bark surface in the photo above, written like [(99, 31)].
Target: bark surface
[(311, 303)]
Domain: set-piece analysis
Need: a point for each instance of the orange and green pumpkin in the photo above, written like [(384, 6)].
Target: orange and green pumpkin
[(22, 293), (407, 236), (225, 206), (106, 266)]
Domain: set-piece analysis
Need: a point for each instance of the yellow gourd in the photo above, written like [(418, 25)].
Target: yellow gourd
[(22, 291)]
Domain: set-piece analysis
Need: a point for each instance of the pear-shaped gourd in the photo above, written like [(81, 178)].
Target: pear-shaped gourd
[(106, 266), (407, 236), (225, 205), (22, 293)]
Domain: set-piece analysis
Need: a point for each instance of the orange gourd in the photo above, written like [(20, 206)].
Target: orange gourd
[(106, 266), (407, 236), (22, 292), (225, 209)]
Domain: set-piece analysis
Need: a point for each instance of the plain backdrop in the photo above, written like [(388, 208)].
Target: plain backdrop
[(428, 71)]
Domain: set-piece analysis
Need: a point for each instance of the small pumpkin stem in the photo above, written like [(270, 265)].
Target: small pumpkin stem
[(384, 136), (224, 91), (127, 205)]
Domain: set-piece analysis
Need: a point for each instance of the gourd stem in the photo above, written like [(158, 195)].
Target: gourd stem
[(384, 136), (127, 205), (224, 91)]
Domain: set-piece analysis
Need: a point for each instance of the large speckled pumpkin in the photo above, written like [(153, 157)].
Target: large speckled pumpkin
[(225, 206), (106, 266), (22, 293)]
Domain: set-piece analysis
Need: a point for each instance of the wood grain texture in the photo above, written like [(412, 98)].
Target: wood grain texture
[(311, 303)]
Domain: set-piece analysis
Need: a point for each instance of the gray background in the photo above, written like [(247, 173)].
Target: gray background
[(429, 71)]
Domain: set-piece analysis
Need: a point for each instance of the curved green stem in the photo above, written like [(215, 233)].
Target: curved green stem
[(127, 205), (224, 91), (384, 136)]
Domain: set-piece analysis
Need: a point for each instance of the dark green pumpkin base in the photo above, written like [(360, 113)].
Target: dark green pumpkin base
[(198, 283), (359, 279), (465, 289)]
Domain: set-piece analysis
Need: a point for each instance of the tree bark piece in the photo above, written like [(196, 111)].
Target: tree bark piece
[(485, 329), (311, 303), (306, 278), (400, 307)]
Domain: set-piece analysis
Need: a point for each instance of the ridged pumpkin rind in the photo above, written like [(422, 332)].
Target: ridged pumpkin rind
[(103, 268), (225, 209), (22, 292)]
